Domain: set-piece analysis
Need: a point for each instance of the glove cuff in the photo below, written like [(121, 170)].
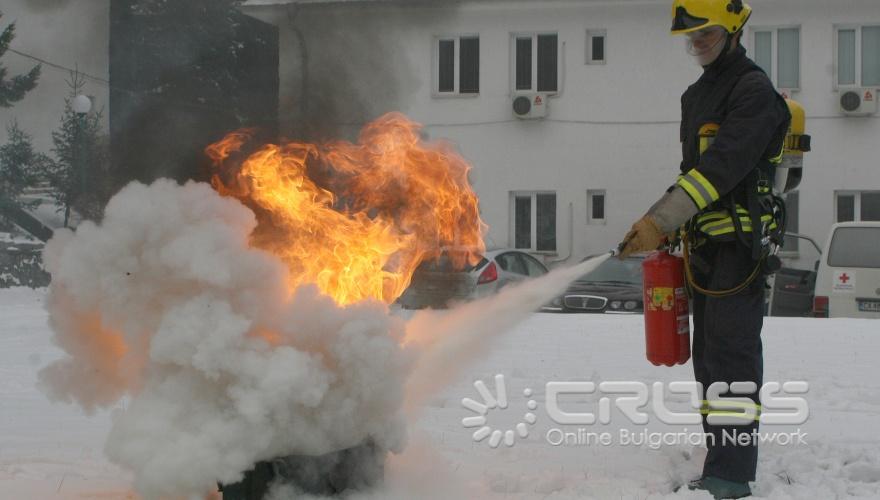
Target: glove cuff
[(672, 210)]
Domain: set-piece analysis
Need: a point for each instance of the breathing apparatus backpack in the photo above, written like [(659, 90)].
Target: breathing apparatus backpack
[(783, 175), (760, 223)]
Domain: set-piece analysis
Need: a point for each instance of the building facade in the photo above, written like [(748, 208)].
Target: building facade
[(610, 77), (568, 184)]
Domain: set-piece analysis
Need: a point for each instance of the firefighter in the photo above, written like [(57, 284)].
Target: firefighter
[(722, 210)]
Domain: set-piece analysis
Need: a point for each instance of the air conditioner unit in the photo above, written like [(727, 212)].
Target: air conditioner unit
[(858, 102), (530, 106)]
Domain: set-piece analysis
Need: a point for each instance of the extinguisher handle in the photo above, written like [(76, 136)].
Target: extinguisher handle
[(615, 252)]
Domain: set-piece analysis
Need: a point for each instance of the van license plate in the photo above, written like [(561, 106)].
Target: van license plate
[(869, 305)]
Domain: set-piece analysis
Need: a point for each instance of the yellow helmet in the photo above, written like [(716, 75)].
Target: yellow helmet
[(693, 15)]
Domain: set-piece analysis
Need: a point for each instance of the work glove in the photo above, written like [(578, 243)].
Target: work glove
[(644, 236), (660, 223)]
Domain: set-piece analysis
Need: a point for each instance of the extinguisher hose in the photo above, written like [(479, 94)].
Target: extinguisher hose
[(715, 293)]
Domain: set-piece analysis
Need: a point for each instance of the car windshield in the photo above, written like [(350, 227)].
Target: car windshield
[(616, 271), (855, 247)]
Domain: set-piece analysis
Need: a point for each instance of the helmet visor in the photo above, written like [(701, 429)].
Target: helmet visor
[(705, 41)]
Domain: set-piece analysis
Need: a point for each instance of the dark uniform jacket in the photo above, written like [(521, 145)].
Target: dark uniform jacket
[(736, 94)]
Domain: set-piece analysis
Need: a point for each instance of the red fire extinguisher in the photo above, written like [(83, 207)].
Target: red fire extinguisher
[(667, 325)]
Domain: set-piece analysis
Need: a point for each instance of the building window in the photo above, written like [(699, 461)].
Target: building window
[(536, 62), (782, 65), (857, 206), (524, 63), (869, 208), (595, 47), (522, 223), (763, 49), (457, 69), (846, 207), (792, 221), (534, 221), (469, 65), (596, 206), (447, 66), (857, 56)]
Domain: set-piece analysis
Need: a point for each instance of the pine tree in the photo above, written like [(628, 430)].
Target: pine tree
[(14, 89), (192, 70), (77, 175), (20, 165), (194, 41)]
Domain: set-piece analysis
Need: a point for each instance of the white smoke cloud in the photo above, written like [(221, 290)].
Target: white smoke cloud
[(167, 303)]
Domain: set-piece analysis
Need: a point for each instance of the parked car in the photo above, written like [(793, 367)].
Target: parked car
[(848, 279), (437, 284), (792, 292), (615, 287), (791, 289)]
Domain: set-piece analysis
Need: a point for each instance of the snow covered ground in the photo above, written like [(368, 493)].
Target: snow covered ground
[(46, 450), (53, 451)]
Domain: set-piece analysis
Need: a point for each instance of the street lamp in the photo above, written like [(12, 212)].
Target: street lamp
[(81, 105)]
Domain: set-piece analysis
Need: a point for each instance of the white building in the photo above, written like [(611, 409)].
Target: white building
[(570, 184)]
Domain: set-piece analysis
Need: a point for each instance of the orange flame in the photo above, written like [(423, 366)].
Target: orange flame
[(355, 219)]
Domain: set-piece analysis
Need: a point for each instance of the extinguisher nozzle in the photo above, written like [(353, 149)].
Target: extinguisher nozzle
[(616, 252)]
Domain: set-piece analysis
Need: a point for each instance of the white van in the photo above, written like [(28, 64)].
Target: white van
[(848, 281)]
